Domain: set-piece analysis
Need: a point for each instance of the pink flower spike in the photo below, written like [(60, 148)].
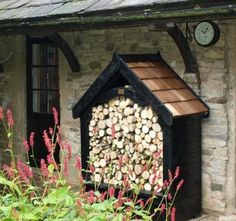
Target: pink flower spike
[(180, 184), (172, 214), (10, 118), (163, 207), (47, 141), (55, 115), (44, 168), (177, 170), (66, 167), (26, 145), (9, 170), (78, 163), (1, 113), (69, 151), (170, 176), (111, 191), (32, 139)]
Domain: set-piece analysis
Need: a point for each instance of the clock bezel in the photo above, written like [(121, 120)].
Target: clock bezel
[(215, 37)]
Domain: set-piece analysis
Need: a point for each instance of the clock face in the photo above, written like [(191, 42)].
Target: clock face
[(206, 33)]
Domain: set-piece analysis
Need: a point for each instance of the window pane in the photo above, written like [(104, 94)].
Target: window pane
[(39, 77), (53, 100), (53, 81), (39, 102), (52, 55), (39, 54)]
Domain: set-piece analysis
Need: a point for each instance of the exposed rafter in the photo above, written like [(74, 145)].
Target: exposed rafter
[(66, 50)]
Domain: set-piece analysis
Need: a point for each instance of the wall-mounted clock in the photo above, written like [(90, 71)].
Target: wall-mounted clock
[(206, 33)]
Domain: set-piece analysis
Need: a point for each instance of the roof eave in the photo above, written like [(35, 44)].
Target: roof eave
[(106, 19)]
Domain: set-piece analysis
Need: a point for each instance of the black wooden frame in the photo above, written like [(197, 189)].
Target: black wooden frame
[(30, 42)]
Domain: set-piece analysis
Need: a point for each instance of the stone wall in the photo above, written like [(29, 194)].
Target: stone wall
[(13, 88)]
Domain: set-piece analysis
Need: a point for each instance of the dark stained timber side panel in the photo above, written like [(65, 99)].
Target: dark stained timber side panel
[(187, 146)]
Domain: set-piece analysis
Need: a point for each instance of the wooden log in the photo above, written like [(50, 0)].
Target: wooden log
[(99, 108), (124, 169), (101, 124), (155, 119), (96, 164), (160, 135), (93, 123), (152, 134), (144, 114), (149, 123), (156, 127), (103, 162), (137, 138), (147, 138), (96, 150), (147, 187), (137, 169), (139, 125), (97, 178), (118, 175), (145, 174), (145, 129), (132, 175), (137, 131), (101, 133), (153, 148), (153, 179), (149, 113)]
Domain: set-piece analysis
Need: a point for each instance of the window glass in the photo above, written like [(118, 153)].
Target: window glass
[(53, 81), (52, 55), (39, 54), (53, 100), (39, 78), (39, 101)]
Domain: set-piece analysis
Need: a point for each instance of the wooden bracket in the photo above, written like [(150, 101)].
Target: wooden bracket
[(66, 50), (190, 61)]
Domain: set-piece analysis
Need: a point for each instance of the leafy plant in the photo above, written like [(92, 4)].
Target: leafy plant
[(51, 198)]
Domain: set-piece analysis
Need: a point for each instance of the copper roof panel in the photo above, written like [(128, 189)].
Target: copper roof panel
[(164, 83), (141, 64), (152, 72), (167, 96), (183, 108), (170, 90)]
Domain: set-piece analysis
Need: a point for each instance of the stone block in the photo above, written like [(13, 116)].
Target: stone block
[(227, 218), (216, 187)]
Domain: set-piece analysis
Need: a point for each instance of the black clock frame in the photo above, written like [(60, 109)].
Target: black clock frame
[(216, 33)]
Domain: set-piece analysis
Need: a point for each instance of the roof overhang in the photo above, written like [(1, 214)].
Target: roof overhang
[(180, 11)]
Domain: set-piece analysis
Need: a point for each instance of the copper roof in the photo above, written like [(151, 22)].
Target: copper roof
[(168, 88)]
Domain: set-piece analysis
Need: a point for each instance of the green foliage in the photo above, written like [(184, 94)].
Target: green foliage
[(52, 199)]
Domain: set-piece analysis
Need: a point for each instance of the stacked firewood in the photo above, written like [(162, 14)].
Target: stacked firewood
[(126, 140)]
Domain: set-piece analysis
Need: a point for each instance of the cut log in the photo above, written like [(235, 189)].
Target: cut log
[(147, 187), (145, 129), (145, 174), (118, 175), (101, 124), (160, 136), (144, 114), (153, 179), (156, 127), (147, 138), (97, 178), (153, 148), (102, 162), (152, 134), (138, 169)]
